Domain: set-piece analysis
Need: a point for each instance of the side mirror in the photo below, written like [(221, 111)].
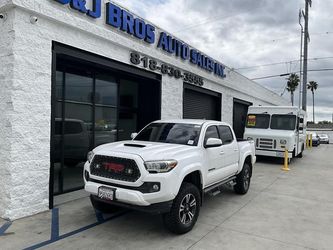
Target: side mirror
[(213, 142), (133, 135)]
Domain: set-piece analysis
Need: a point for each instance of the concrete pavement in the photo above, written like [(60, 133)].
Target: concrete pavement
[(282, 210)]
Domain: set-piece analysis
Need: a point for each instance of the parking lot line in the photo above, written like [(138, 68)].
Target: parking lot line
[(55, 224), (5, 227), (55, 228)]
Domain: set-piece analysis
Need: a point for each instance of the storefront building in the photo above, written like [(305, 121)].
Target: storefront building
[(75, 75)]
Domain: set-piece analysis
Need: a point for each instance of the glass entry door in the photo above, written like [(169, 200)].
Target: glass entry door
[(92, 106), (85, 117)]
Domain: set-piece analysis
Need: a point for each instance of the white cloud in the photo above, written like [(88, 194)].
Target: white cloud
[(244, 33)]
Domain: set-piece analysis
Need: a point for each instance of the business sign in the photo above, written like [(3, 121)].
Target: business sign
[(123, 20)]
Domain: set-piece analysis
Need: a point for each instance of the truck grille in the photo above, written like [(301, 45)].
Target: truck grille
[(115, 168), (266, 143)]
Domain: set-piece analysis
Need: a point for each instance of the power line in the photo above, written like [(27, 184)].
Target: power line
[(279, 63), (295, 37), (286, 74)]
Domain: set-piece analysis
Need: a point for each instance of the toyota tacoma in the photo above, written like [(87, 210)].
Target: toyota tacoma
[(168, 168)]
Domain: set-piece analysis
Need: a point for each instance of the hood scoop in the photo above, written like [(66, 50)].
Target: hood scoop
[(134, 145)]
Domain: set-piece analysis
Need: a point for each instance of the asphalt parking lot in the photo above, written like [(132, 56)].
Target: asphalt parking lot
[(282, 210)]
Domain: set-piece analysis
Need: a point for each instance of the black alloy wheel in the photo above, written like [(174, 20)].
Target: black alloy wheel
[(185, 209)]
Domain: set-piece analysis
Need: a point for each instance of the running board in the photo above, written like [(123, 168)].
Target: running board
[(216, 185)]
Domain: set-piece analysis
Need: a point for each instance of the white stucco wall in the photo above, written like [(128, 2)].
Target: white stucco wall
[(25, 91)]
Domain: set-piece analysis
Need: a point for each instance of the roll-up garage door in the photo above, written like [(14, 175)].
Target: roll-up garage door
[(199, 103), (239, 116)]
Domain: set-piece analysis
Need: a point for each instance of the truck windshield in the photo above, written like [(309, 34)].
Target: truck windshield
[(257, 121), (283, 122), (178, 133)]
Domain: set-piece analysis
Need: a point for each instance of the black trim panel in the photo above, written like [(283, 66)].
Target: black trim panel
[(157, 208), (144, 188)]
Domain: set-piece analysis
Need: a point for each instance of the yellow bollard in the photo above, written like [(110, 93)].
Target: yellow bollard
[(285, 166), (310, 140), (307, 141)]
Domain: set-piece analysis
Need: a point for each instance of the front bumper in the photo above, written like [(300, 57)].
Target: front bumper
[(272, 153), (129, 192)]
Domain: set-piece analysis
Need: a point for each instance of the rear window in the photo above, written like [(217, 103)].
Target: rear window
[(257, 121)]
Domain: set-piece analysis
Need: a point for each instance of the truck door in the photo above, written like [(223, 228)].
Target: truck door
[(230, 151), (214, 157)]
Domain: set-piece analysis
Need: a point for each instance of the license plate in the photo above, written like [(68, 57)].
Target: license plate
[(106, 193), (279, 154)]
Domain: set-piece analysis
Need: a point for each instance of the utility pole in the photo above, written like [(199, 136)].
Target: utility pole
[(300, 61), (305, 62)]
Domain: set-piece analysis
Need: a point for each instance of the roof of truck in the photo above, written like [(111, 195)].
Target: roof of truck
[(189, 121)]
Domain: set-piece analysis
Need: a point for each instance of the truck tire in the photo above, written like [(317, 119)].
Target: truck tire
[(184, 211), (102, 206), (243, 180)]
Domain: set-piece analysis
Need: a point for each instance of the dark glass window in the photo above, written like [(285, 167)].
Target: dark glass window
[(78, 88), (178, 133), (106, 91), (283, 122), (211, 132), (225, 134), (257, 121)]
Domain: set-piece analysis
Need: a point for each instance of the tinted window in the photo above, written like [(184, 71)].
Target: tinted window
[(211, 132), (257, 121), (70, 127), (178, 133), (226, 134), (283, 122)]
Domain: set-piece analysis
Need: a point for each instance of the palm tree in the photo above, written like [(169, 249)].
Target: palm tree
[(313, 86), (292, 84)]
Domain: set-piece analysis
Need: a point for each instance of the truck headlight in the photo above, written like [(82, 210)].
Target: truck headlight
[(283, 142), (90, 156), (250, 139), (160, 166)]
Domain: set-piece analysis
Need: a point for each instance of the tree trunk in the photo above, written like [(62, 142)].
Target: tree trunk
[(292, 98), (313, 107)]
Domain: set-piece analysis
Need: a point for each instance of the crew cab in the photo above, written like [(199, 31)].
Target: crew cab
[(168, 168)]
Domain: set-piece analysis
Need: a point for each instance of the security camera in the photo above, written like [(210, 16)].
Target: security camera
[(3, 16), (33, 19)]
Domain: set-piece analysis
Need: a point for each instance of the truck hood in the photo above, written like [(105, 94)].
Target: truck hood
[(148, 151)]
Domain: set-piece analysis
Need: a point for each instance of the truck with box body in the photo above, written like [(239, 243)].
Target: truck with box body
[(275, 129)]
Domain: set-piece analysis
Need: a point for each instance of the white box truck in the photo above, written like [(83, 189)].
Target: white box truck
[(276, 128)]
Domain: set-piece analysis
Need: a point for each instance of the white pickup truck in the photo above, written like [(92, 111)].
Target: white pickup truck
[(168, 168)]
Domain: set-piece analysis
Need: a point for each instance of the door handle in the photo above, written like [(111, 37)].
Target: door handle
[(222, 153), (236, 149)]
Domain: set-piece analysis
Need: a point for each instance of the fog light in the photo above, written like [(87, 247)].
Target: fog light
[(156, 187)]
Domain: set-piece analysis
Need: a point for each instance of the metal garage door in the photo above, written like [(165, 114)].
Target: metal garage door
[(239, 116), (200, 103)]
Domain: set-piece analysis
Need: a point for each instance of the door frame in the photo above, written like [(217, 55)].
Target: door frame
[(108, 64)]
